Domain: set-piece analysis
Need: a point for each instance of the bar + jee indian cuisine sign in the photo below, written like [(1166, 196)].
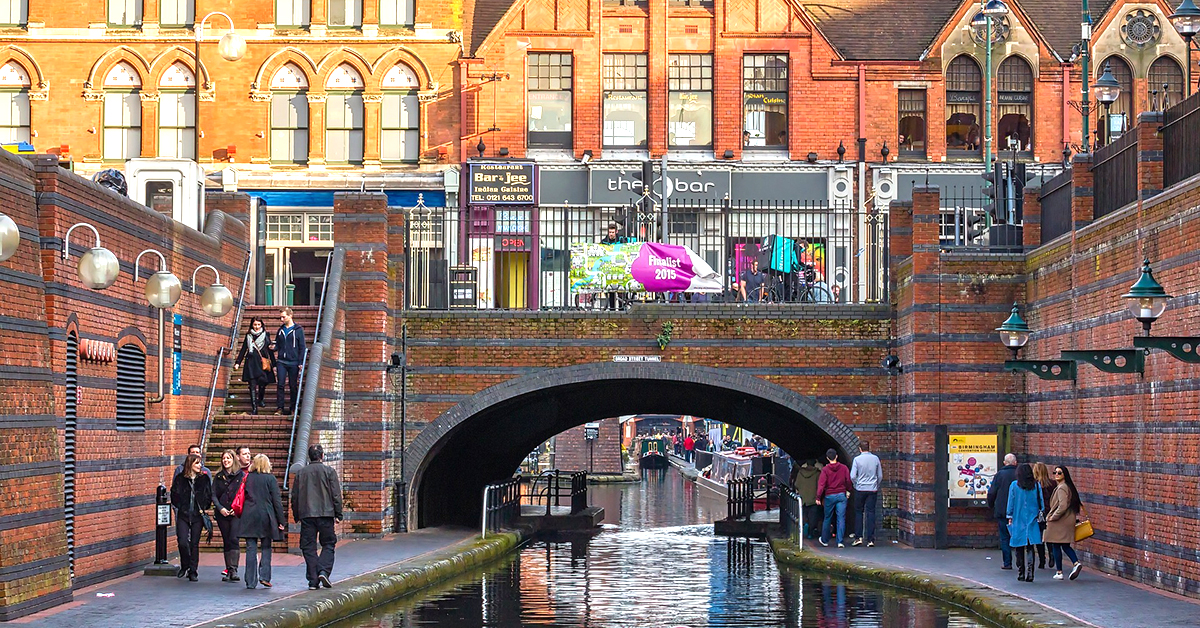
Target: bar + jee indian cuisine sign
[(502, 183)]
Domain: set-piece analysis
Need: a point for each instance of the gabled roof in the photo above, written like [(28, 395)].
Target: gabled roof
[(480, 18), (1058, 20), (879, 30)]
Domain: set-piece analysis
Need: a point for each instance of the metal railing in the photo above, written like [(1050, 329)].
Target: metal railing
[(791, 515), (967, 224), (221, 351), (744, 492), (1181, 140), (310, 379), (501, 506), (1115, 174), (1057, 200), (553, 486), (521, 258)]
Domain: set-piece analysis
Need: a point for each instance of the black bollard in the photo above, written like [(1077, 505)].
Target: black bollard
[(161, 567)]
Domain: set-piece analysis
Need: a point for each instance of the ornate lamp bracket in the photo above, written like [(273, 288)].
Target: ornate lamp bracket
[(1111, 360), (1183, 348), (1044, 369)]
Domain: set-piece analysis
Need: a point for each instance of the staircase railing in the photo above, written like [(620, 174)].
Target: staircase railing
[(233, 332), (302, 414)]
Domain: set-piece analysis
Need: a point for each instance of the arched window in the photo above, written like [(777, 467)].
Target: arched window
[(289, 115), (401, 123), (131, 388), (1121, 113), (1167, 78), (344, 116), (964, 86), (1014, 99), (177, 112), (14, 103), (122, 113)]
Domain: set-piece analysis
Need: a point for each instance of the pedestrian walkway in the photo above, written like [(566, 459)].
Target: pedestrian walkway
[(1093, 598), (156, 601)]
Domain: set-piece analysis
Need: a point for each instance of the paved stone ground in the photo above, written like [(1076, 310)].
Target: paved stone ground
[(1095, 598), (155, 601)]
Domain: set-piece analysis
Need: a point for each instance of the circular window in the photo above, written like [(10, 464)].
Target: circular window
[(1000, 29), (885, 188), (840, 187), (1140, 28)]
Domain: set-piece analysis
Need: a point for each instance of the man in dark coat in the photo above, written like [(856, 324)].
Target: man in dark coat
[(316, 504), (997, 500), (289, 355)]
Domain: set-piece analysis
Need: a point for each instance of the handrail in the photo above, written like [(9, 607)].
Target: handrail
[(304, 367), (553, 491), (310, 381), (743, 491), (791, 517), (233, 331), (501, 505)]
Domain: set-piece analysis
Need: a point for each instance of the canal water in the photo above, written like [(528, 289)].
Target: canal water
[(655, 564)]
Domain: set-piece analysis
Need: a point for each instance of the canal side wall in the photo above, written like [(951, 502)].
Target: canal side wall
[(998, 607), (362, 593)]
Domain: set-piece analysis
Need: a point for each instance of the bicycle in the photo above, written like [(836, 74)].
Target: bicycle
[(805, 289)]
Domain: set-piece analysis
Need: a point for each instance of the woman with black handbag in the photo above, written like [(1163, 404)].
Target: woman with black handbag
[(1065, 506), (191, 494), (259, 360)]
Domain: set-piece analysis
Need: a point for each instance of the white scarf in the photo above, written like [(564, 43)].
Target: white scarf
[(257, 342)]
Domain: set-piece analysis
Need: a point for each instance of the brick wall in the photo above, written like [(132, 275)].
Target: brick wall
[(573, 452), (116, 471)]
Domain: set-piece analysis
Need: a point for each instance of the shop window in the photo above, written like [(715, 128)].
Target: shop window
[(550, 100), (690, 81), (125, 13), (395, 12), (912, 129), (344, 116), (1167, 78), (347, 13), (1119, 116), (177, 13), (765, 100), (285, 227), (294, 13), (1014, 105), (14, 103), (14, 12), (964, 114), (131, 388), (625, 81), (177, 113), (122, 113)]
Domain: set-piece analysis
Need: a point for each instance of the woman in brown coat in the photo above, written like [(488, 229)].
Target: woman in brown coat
[(1060, 523)]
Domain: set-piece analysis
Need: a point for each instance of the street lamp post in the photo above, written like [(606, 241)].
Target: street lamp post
[(1186, 20), (990, 11), (1085, 51), (1107, 91), (231, 47)]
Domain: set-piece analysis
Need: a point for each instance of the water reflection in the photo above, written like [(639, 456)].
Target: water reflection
[(656, 565)]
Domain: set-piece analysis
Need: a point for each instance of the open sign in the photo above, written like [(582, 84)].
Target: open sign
[(513, 243)]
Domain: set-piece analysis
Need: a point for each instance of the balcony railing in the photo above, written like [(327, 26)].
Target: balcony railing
[(1181, 140), (1056, 201), (1115, 174), (521, 258)]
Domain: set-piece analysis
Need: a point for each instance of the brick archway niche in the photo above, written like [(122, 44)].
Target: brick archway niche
[(482, 440)]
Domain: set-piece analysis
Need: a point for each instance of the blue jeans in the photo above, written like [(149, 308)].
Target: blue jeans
[(834, 503), (1005, 537), (258, 562), (1056, 554)]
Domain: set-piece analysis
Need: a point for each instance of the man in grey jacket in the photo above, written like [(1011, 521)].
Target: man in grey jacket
[(866, 474), (316, 503)]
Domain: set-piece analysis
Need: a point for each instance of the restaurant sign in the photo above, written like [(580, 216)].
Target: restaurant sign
[(502, 183)]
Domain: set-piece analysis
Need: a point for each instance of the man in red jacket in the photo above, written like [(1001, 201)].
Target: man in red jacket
[(833, 489)]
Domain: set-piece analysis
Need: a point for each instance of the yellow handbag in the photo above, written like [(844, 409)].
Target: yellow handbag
[(1083, 529)]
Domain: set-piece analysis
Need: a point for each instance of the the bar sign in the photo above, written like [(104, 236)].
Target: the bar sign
[(502, 183)]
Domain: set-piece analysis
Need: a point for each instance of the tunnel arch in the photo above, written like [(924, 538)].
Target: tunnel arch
[(484, 438)]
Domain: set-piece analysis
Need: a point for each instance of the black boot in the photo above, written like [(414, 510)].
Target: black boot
[(1029, 572), (1020, 556)]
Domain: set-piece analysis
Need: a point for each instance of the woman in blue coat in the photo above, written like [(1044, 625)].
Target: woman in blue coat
[(1024, 505)]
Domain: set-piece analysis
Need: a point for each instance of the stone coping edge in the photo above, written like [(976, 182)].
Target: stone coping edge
[(364, 592), (998, 607)]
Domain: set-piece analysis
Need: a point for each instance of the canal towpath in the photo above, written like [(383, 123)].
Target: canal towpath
[(140, 601), (1093, 599)]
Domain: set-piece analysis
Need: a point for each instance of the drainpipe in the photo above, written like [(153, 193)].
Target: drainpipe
[(862, 170), (1066, 103)]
